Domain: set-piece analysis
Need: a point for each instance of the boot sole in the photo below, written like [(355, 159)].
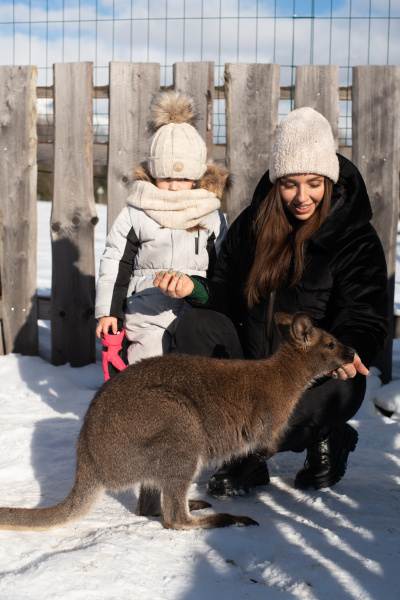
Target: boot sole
[(349, 445)]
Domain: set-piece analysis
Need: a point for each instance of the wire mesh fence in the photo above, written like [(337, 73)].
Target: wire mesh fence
[(289, 32)]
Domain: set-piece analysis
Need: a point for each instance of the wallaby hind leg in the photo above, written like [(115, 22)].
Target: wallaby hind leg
[(149, 503), (176, 514)]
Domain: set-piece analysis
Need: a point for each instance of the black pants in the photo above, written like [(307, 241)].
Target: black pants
[(328, 403)]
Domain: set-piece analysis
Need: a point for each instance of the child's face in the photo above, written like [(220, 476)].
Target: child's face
[(174, 185)]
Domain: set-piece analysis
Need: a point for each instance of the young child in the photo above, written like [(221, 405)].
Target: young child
[(172, 218)]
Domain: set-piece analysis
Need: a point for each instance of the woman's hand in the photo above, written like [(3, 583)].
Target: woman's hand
[(105, 323), (174, 283), (350, 370)]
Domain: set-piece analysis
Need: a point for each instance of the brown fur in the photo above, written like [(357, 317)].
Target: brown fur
[(216, 179), (171, 107), (159, 421)]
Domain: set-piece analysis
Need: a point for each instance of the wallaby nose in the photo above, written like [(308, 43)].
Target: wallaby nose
[(350, 353)]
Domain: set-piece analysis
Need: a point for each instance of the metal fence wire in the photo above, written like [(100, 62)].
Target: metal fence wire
[(289, 32)]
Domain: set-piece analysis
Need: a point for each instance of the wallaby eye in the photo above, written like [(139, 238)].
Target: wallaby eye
[(331, 345)]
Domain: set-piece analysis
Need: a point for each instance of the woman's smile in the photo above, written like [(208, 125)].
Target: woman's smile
[(302, 207)]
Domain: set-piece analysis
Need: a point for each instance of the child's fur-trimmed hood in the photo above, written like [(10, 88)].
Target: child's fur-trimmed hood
[(216, 179)]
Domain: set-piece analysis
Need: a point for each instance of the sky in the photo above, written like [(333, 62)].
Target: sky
[(169, 31)]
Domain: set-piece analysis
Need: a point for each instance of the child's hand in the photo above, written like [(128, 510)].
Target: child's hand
[(174, 283), (105, 323)]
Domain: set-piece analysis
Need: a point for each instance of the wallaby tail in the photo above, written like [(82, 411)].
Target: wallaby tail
[(81, 499)]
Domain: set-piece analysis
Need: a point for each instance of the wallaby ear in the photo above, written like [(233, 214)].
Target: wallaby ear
[(302, 327), (284, 323)]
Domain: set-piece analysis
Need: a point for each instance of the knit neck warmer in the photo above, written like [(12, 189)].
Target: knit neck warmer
[(176, 210)]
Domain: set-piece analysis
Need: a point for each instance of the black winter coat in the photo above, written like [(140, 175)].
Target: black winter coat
[(344, 285)]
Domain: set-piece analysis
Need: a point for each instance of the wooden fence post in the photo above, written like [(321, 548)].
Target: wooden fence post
[(252, 95), (73, 217), (375, 116), (132, 86), (197, 78), (18, 216), (317, 86)]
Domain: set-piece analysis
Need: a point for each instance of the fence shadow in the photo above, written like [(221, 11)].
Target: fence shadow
[(72, 306)]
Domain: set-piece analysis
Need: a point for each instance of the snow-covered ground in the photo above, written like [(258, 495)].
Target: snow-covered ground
[(338, 543)]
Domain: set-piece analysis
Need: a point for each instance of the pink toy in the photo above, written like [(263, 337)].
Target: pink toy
[(112, 344)]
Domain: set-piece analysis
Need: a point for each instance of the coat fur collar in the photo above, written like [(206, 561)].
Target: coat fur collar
[(216, 179)]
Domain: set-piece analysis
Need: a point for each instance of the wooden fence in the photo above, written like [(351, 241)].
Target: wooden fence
[(251, 92)]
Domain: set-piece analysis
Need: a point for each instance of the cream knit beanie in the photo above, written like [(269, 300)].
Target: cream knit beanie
[(176, 149), (304, 144)]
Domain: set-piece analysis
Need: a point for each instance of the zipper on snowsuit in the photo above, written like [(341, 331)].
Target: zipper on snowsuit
[(196, 241)]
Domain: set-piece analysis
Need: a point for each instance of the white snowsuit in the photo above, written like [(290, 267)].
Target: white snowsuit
[(137, 247)]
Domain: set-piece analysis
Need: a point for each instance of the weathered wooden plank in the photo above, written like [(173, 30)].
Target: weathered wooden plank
[(2, 348), (286, 93), (73, 217), (375, 116), (317, 86), (132, 86), (45, 153), (18, 217), (197, 79), (252, 96)]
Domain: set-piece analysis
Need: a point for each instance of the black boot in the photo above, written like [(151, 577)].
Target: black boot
[(326, 459), (237, 476)]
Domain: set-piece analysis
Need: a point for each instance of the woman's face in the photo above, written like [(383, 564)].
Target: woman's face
[(174, 185), (301, 194)]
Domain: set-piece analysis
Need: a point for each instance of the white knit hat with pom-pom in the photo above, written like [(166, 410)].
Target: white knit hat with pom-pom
[(176, 149), (304, 144)]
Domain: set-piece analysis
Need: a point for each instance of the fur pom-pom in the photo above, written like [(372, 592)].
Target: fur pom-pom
[(171, 107)]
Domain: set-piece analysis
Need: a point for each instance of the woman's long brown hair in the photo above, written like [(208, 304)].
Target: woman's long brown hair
[(280, 244)]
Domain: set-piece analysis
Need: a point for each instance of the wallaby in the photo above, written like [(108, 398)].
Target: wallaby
[(159, 421)]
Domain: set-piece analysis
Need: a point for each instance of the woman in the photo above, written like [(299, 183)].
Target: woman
[(304, 243)]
